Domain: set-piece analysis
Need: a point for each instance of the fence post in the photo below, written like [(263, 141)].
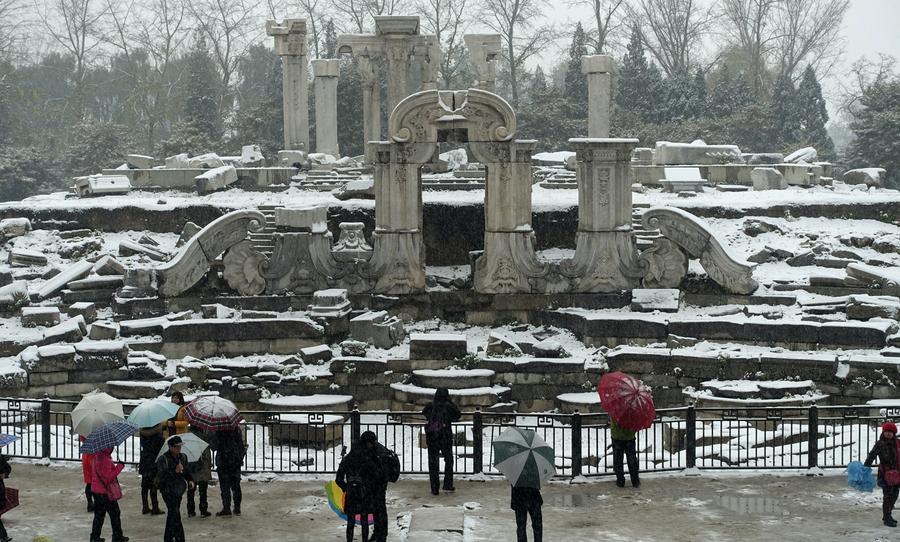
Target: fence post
[(354, 426), (478, 441), (45, 428), (813, 459), (690, 438), (576, 444)]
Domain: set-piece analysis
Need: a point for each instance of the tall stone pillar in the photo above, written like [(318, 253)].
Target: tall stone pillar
[(606, 257), (484, 50), (325, 77), (399, 35), (597, 68), (371, 104), (290, 45)]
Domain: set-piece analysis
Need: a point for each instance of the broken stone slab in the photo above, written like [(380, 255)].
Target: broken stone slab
[(129, 389), (40, 316), (101, 355), (86, 310), (102, 185), (352, 348), (70, 331), (74, 234), (501, 345), (14, 227), (49, 359), (864, 307), (178, 161), (803, 259), (216, 179), (378, 329), (423, 346), (696, 153), (140, 161), (251, 155), (209, 160), (97, 282), (151, 326), (292, 158), (767, 178), (805, 155), (356, 189), (103, 331), (770, 254), (128, 247), (14, 295), (107, 265), (655, 299), (20, 257), (888, 279), (189, 230), (75, 271), (872, 176), (549, 348), (316, 354)]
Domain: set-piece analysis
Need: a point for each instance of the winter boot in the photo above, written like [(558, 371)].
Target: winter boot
[(635, 482), (223, 513), (120, 539), (890, 522), (620, 482), (237, 510)]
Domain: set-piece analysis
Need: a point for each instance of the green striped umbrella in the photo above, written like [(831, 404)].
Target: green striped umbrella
[(523, 457)]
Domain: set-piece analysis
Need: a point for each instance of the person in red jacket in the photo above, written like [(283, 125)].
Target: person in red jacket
[(107, 492), (86, 473)]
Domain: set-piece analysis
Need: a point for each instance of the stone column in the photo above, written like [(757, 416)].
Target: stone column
[(290, 45), (597, 68), (325, 74), (484, 50), (371, 104), (397, 73), (606, 257)]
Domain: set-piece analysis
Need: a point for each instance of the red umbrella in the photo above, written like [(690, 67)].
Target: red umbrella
[(627, 401)]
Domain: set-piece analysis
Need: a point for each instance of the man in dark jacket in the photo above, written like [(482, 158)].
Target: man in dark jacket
[(5, 471), (361, 477), (527, 501), (886, 452), (174, 480), (151, 443), (230, 451), (439, 417)]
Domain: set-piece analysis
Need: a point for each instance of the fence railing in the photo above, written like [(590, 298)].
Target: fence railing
[(680, 438)]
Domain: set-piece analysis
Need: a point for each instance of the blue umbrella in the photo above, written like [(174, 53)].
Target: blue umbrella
[(151, 413), (6, 440), (860, 477), (108, 435)]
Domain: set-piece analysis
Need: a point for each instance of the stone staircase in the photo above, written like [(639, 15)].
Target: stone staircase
[(644, 236), (263, 241)]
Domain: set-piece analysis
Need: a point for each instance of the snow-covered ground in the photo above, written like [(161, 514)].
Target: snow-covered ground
[(674, 507)]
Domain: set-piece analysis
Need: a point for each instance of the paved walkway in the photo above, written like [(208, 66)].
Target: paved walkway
[(711, 507)]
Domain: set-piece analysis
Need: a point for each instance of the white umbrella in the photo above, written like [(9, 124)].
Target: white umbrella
[(94, 410), (192, 446)]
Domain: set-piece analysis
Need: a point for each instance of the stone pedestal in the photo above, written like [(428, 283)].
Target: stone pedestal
[(597, 68), (325, 74), (484, 50), (606, 257), (290, 45)]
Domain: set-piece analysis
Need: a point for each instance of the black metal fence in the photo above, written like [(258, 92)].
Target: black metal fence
[(680, 438)]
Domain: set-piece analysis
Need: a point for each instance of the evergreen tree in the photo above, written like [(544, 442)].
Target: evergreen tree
[(576, 91), (545, 119), (350, 110), (728, 94), (329, 42), (99, 145), (785, 120), (698, 104), (876, 125), (640, 89), (813, 114), (259, 117), (201, 108), (538, 84)]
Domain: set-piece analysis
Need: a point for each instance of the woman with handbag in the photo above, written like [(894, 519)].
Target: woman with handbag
[(887, 450), (107, 492)]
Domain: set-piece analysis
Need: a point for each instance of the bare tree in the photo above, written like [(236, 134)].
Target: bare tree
[(275, 9), (446, 20), (355, 13), (310, 8), (750, 29), (230, 26), (73, 26), (9, 26), (607, 20), (864, 73), (809, 34), (517, 22), (672, 30), (385, 7)]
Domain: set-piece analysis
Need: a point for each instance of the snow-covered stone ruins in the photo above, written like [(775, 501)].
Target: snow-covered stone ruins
[(451, 254)]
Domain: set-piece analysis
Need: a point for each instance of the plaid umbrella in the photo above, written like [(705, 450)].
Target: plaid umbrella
[(95, 410), (108, 436), (12, 500), (6, 440), (212, 413)]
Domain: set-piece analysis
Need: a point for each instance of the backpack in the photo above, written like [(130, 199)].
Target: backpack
[(437, 422), (356, 487), (390, 463)]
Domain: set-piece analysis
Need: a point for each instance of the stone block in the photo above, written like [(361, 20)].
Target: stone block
[(596, 64), (47, 379), (86, 310), (20, 257), (437, 346), (501, 345), (102, 185), (101, 355), (697, 153), (251, 155), (107, 265), (70, 331), (140, 161), (40, 316), (766, 178), (178, 161), (650, 300), (291, 158), (311, 218), (103, 331), (806, 155), (128, 247), (316, 354), (378, 329), (14, 227), (873, 176), (216, 179), (209, 160), (127, 389), (52, 358)]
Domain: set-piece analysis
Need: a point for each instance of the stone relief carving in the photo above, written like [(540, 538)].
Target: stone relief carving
[(691, 234), (241, 269), (665, 263), (603, 262)]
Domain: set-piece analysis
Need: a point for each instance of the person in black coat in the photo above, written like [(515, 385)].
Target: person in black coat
[(361, 477), (439, 417), (151, 443), (5, 471), (527, 501), (174, 481), (230, 451), (886, 452)]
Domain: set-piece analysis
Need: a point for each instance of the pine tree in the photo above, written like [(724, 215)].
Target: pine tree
[(576, 91), (813, 115), (538, 84), (785, 119), (640, 90), (329, 42), (201, 108), (698, 105), (876, 125), (350, 112), (259, 116)]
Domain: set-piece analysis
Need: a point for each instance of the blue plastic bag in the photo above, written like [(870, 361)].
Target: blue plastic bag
[(860, 477)]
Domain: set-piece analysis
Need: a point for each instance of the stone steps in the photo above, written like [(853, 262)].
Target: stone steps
[(454, 379), (467, 398), (585, 402)]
